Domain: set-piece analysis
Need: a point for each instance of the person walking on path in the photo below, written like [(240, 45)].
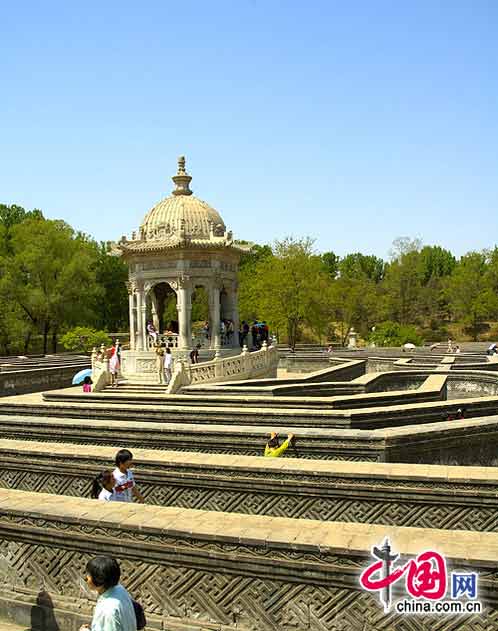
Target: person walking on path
[(194, 354), (103, 487), (245, 333), (168, 365), (229, 331), (159, 350), (125, 488), (114, 610), (114, 367), (273, 448)]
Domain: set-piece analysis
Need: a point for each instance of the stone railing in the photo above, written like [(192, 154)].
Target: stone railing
[(170, 340), (100, 369), (262, 363), (209, 570)]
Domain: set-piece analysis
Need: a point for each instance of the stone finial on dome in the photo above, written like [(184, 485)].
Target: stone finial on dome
[(182, 179)]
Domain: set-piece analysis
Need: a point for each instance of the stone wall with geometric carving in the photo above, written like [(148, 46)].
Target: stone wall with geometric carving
[(202, 570), (471, 441), (36, 379), (400, 495)]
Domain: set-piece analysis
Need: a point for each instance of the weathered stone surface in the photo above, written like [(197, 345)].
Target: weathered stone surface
[(461, 498), (36, 380), (255, 573)]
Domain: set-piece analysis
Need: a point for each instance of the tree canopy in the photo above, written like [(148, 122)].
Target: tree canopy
[(53, 278), (421, 291)]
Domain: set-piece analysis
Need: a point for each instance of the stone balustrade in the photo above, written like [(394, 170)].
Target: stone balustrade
[(168, 339), (262, 363), (100, 369)]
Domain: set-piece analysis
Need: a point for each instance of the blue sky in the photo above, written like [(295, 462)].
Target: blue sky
[(351, 122)]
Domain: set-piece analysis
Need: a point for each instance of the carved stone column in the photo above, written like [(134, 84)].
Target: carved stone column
[(139, 342), (154, 309), (147, 308), (234, 313), (214, 307), (183, 288), (131, 301)]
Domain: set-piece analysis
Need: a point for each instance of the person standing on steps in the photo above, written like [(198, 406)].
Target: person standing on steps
[(159, 350), (114, 367), (168, 365), (194, 354)]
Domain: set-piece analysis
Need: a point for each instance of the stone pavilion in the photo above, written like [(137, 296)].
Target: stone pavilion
[(182, 245)]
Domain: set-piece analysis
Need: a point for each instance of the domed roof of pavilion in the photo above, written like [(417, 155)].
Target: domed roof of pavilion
[(180, 220), (181, 211)]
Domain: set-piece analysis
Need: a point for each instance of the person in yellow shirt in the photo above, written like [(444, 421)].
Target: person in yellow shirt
[(273, 447)]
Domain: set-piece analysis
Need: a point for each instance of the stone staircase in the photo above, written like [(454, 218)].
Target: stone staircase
[(128, 386)]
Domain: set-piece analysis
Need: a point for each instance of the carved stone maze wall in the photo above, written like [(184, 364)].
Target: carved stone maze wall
[(422, 504), (157, 436), (237, 587), (38, 379)]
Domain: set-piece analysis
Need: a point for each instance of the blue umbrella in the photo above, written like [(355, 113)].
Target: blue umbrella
[(80, 376)]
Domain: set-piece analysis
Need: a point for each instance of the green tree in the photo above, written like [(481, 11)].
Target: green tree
[(359, 266), (200, 305), (111, 301), (394, 334), (286, 289), (354, 303), (11, 216), (254, 255), (402, 288), (331, 263), (470, 291), (16, 330), (83, 339), (435, 262), (51, 276)]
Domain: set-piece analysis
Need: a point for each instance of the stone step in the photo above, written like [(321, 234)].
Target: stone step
[(12, 626), (171, 405)]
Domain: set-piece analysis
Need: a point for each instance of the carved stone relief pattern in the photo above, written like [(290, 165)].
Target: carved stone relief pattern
[(380, 511), (153, 441), (244, 602), (145, 365)]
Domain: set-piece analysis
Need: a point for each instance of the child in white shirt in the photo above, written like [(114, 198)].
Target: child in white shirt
[(124, 483)]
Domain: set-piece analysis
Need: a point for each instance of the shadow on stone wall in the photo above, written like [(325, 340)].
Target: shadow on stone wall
[(42, 614)]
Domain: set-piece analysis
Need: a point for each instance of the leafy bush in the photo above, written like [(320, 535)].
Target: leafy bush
[(437, 334), (82, 339), (394, 334)]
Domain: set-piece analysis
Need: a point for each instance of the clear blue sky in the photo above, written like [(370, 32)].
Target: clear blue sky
[(352, 122)]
